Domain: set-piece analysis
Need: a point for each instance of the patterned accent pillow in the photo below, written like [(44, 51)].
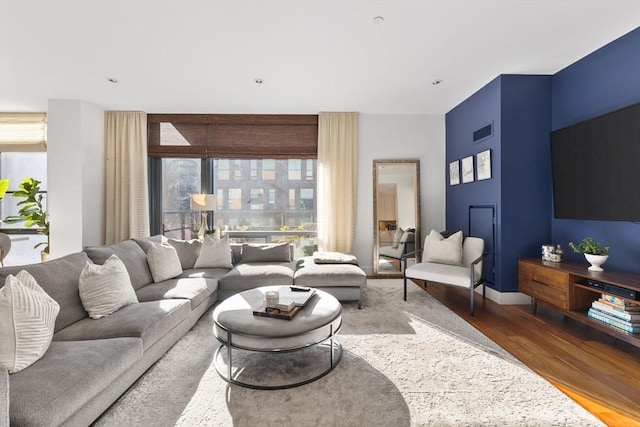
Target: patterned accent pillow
[(443, 251), (27, 319), (105, 289), (164, 262), (214, 253)]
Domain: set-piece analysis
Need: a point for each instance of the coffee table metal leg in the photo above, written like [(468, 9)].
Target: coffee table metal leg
[(229, 352)]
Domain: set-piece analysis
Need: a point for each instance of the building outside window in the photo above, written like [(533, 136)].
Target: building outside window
[(271, 202)]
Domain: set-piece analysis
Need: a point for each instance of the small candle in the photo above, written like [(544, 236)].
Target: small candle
[(271, 298)]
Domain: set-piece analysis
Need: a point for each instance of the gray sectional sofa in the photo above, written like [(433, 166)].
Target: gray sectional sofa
[(91, 362)]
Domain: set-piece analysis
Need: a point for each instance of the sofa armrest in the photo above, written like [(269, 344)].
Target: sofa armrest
[(4, 397)]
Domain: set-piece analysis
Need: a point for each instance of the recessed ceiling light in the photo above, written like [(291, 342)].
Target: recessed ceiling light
[(112, 80), (258, 81), (436, 82), (378, 20)]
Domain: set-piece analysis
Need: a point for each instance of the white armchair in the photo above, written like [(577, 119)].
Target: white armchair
[(406, 245), (455, 262)]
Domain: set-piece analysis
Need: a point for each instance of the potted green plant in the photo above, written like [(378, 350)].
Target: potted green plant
[(595, 253), (32, 211)]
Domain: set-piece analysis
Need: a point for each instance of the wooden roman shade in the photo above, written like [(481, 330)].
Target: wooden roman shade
[(233, 136)]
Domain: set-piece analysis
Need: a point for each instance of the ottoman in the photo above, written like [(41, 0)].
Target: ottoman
[(344, 281)]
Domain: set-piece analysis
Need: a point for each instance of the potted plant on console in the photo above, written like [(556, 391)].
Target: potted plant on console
[(32, 211), (595, 254)]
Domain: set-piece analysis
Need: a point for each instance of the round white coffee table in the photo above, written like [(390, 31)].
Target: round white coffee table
[(237, 328)]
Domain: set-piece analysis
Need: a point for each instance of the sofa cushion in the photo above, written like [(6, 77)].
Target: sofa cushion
[(59, 278), (214, 253), (248, 276), (207, 273), (308, 273), (194, 289), (443, 251), (106, 288), (147, 320), (163, 262), (131, 254), (188, 251), (27, 319), (279, 252), (67, 377)]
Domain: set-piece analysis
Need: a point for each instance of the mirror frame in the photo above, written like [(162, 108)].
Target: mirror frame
[(376, 235)]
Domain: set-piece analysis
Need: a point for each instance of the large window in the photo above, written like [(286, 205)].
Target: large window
[(262, 168), (16, 166), (272, 201)]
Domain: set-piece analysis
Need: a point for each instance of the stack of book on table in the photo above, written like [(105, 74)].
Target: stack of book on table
[(291, 299), (617, 312)]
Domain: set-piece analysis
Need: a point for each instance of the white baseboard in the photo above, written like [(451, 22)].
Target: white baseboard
[(505, 298)]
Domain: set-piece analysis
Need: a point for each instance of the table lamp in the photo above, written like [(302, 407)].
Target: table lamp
[(203, 203)]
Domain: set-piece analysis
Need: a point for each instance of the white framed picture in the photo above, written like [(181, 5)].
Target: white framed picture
[(483, 164), (454, 172), (467, 169)]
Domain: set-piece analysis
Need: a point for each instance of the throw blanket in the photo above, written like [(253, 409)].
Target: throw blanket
[(334, 258)]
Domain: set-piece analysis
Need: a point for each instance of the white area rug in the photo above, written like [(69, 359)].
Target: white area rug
[(409, 363)]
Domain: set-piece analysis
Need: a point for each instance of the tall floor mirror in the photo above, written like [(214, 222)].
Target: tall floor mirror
[(396, 213)]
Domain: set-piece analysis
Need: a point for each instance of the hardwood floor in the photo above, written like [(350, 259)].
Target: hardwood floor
[(596, 370)]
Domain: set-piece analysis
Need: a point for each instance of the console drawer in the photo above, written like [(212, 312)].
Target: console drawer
[(543, 292), (547, 276)]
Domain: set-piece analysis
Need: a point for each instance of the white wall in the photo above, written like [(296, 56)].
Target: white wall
[(75, 175), (383, 137)]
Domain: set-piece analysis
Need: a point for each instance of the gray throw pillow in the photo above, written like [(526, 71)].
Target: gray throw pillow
[(265, 253), (443, 251), (163, 262), (27, 319), (104, 289), (188, 251), (214, 253)]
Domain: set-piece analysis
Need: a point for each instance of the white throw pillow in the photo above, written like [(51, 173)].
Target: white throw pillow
[(396, 238), (104, 289), (27, 320), (214, 253), (443, 251), (163, 261)]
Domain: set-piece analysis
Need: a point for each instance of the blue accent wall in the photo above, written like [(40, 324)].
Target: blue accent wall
[(604, 81), (524, 110), (518, 107)]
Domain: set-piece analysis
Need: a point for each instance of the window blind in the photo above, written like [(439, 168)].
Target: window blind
[(233, 136), (23, 132)]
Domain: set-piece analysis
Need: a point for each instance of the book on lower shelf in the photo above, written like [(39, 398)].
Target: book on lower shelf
[(614, 322), (629, 316), (276, 313), (618, 302)]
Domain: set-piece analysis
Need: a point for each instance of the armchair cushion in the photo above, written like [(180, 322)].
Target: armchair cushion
[(396, 237), (437, 249)]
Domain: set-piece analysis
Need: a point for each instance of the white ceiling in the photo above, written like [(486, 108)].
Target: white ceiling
[(202, 56)]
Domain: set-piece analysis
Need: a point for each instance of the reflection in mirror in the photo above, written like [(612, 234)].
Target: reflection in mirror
[(396, 212)]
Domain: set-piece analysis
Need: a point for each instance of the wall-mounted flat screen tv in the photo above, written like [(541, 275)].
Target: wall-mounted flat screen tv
[(596, 167)]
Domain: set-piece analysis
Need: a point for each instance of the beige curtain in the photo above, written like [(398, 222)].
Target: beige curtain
[(337, 180), (127, 199)]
